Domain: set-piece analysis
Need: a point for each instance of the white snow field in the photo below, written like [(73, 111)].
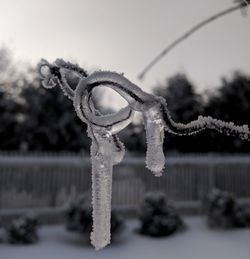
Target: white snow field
[(197, 242)]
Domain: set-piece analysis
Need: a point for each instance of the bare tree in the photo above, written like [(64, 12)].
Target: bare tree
[(241, 5)]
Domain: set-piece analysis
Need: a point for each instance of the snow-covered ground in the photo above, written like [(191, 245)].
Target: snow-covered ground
[(197, 242)]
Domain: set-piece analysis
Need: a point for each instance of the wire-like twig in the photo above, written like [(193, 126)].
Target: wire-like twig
[(246, 2), (188, 34)]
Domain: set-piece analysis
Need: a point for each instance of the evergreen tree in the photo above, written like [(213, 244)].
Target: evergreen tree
[(50, 123), (184, 105), (230, 103)]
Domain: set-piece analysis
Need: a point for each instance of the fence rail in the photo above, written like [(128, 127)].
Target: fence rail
[(50, 180)]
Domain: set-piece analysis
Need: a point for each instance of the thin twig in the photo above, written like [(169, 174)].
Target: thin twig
[(188, 34), (246, 2)]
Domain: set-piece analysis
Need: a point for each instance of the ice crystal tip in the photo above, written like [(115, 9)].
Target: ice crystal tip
[(157, 171)]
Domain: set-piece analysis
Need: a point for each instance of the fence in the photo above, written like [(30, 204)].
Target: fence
[(46, 180)]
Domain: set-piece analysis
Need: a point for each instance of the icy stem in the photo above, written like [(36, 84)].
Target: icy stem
[(155, 159), (102, 167)]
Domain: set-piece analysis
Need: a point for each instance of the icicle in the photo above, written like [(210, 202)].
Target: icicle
[(155, 159), (102, 169)]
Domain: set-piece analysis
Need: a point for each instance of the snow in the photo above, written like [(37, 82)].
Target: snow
[(194, 243), (106, 149)]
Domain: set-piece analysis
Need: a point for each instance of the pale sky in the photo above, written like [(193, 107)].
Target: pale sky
[(124, 36)]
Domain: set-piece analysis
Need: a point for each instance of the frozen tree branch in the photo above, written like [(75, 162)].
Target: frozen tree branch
[(106, 149)]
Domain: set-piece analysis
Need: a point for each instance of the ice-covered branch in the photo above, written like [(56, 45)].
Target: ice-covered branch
[(106, 148)]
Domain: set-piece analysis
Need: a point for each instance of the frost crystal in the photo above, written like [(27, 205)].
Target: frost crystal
[(106, 149)]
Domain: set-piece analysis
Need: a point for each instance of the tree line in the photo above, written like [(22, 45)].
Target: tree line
[(33, 119)]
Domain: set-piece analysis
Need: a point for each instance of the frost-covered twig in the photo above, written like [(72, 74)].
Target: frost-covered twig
[(106, 148)]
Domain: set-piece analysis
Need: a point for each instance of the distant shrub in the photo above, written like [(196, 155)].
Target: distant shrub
[(23, 230), (79, 218), (223, 210), (157, 217)]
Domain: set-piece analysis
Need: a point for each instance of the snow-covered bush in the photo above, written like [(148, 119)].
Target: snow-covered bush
[(23, 230), (79, 218), (223, 210), (158, 218)]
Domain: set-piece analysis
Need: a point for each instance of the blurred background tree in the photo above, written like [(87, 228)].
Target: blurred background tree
[(49, 123), (9, 105), (9, 121), (231, 102), (134, 138), (184, 105), (33, 119)]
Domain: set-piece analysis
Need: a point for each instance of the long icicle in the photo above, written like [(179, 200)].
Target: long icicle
[(102, 170)]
